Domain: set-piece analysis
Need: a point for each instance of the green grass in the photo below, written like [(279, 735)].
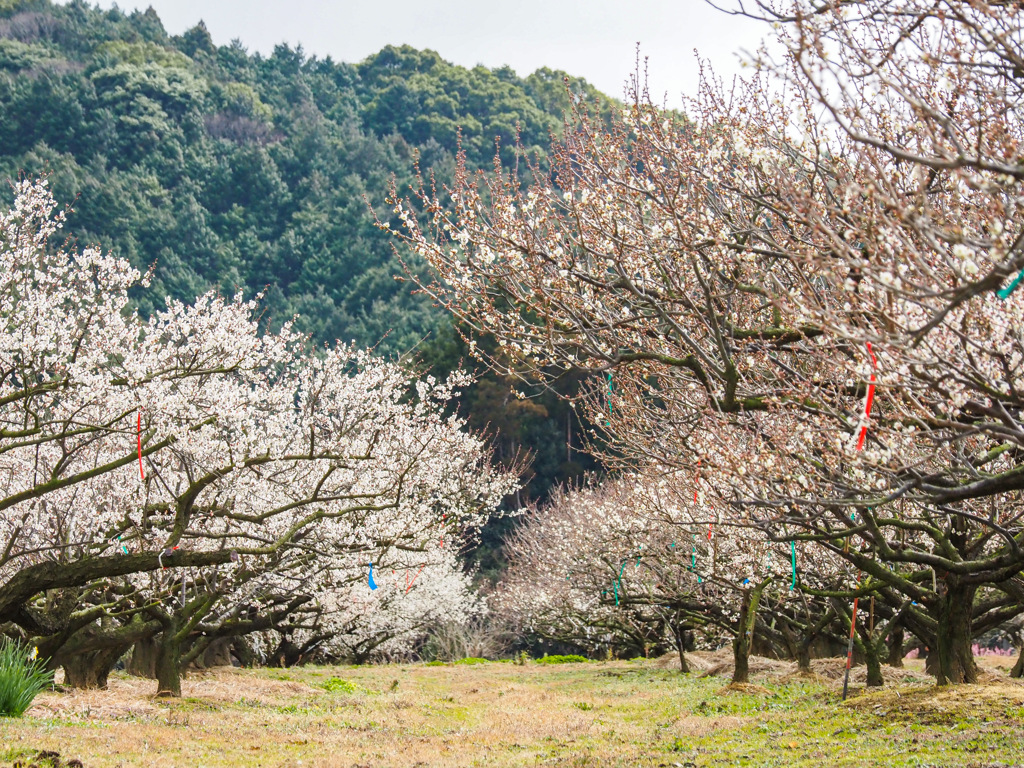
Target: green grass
[(567, 659), (596, 714), (337, 685)]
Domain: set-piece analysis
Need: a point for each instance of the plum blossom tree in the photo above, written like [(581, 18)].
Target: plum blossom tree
[(641, 560), (814, 276), (915, 226), (180, 471)]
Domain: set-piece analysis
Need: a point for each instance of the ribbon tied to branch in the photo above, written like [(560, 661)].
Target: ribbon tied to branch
[(871, 399)]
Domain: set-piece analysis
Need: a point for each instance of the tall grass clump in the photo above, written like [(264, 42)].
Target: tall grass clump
[(22, 676)]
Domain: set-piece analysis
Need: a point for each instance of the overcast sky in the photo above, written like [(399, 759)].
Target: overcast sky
[(594, 39)]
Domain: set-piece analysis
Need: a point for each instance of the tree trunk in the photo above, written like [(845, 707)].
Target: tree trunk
[(288, 654), (954, 656), (168, 662), (680, 634), (242, 651), (217, 654), (1018, 668), (90, 669), (896, 646), (745, 632), (791, 640), (803, 655), (869, 647), (874, 664), (142, 662)]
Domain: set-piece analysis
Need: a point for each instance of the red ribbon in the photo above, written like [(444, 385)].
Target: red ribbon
[(413, 579), (871, 399)]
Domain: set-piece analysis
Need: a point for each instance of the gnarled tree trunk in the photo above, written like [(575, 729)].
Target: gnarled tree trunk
[(287, 654), (1018, 668), (216, 654), (90, 653), (242, 650), (954, 657), (90, 669), (873, 664), (869, 646)]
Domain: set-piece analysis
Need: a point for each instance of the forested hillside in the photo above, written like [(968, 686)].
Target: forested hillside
[(221, 168), (235, 170)]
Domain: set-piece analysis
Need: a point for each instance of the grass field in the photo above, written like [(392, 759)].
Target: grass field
[(641, 713)]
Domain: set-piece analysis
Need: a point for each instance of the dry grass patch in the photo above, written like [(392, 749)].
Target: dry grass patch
[(596, 714)]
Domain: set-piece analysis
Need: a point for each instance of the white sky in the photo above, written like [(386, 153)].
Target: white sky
[(594, 39)]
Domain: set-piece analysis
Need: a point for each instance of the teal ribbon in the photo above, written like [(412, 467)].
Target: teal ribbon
[(616, 588), (1005, 292), (792, 549), (611, 391)]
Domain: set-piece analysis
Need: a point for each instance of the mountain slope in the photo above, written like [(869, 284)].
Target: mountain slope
[(229, 169)]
